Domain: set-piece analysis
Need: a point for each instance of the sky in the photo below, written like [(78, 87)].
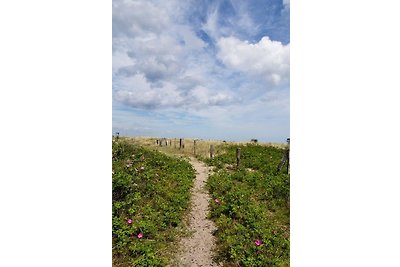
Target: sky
[(203, 69)]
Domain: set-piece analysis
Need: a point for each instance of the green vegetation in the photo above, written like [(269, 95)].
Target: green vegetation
[(250, 206), (150, 195)]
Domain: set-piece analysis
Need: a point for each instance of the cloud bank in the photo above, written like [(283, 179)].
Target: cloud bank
[(199, 58), (267, 59)]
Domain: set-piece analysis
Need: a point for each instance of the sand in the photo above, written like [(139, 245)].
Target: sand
[(197, 248)]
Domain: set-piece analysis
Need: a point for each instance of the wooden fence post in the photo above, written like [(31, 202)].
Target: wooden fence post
[(175, 143), (238, 156), (288, 157), (181, 143), (194, 147), (285, 158), (211, 151)]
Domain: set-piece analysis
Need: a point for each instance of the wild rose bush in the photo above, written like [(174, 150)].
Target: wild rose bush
[(252, 213), (150, 194)]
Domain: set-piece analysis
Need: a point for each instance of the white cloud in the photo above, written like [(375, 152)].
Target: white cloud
[(242, 19), (203, 97), (268, 59), (190, 38), (159, 62), (286, 3), (121, 60), (163, 68), (211, 26), (138, 17), (136, 91)]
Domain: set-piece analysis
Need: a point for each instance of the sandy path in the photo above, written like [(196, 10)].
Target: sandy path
[(197, 249)]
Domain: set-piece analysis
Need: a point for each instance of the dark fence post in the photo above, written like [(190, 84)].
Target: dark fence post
[(211, 151), (181, 143), (288, 157), (194, 147), (284, 159), (238, 156)]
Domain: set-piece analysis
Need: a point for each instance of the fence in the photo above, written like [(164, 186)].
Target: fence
[(204, 148)]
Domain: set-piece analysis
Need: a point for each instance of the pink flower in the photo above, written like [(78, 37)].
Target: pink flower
[(216, 201), (258, 242), (140, 235), (129, 221)]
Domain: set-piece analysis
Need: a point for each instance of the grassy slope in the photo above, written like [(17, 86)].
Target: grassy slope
[(152, 189), (253, 205)]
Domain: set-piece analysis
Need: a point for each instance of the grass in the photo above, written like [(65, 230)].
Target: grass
[(252, 214), (153, 191), (250, 207), (202, 146)]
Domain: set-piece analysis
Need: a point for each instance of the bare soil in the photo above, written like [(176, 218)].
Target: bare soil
[(197, 248)]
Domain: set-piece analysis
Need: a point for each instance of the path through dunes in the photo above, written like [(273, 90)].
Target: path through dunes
[(197, 248)]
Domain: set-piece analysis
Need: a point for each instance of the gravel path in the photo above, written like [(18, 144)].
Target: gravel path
[(197, 249)]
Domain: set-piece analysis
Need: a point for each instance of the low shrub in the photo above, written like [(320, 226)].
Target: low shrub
[(250, 206), (150, 194)]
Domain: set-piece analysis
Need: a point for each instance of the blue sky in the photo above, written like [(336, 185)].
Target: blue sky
[(201, 69)]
